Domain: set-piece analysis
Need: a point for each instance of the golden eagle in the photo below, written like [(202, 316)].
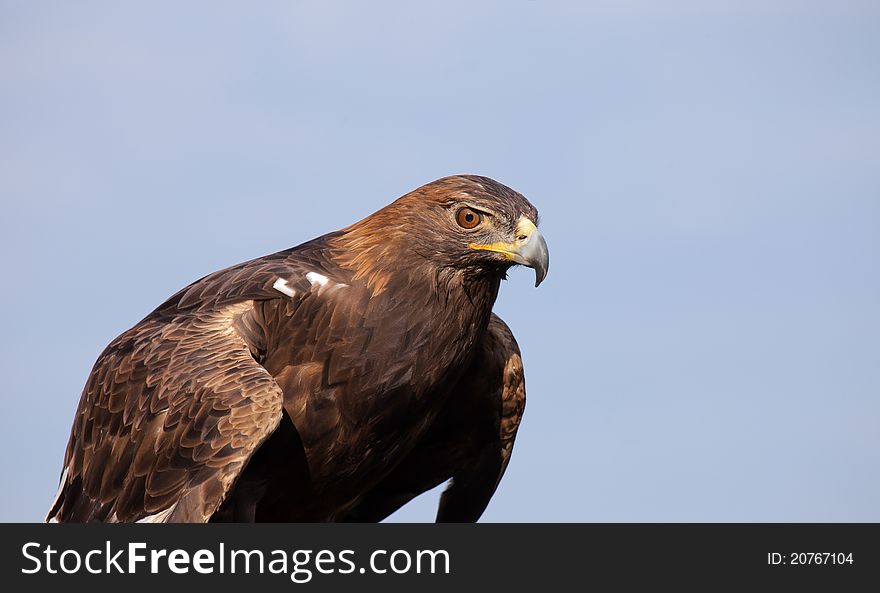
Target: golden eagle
[(333, 381)]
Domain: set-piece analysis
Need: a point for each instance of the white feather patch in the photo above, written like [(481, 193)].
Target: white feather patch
[(54, 518), (160, 516), (282, 287), (316, 278)]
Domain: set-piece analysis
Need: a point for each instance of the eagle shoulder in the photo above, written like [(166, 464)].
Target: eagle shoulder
[(174, 407)]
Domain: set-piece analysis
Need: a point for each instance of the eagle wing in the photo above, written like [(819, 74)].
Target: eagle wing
[(174, 407), (470, 442), (499, 376)]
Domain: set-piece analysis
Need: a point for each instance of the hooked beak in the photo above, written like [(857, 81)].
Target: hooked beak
[(529, 249)]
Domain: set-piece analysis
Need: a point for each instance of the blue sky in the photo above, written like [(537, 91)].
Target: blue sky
[(707, 344)]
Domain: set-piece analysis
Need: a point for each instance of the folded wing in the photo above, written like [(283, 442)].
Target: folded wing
[(171, 412)]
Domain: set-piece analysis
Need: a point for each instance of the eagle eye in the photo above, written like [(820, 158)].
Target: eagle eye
[(468, 218)]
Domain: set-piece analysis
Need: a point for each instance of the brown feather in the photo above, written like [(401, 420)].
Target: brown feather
[(374, 370), (470, 442)]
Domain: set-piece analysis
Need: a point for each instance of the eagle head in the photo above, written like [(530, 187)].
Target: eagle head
[(465, 222)]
